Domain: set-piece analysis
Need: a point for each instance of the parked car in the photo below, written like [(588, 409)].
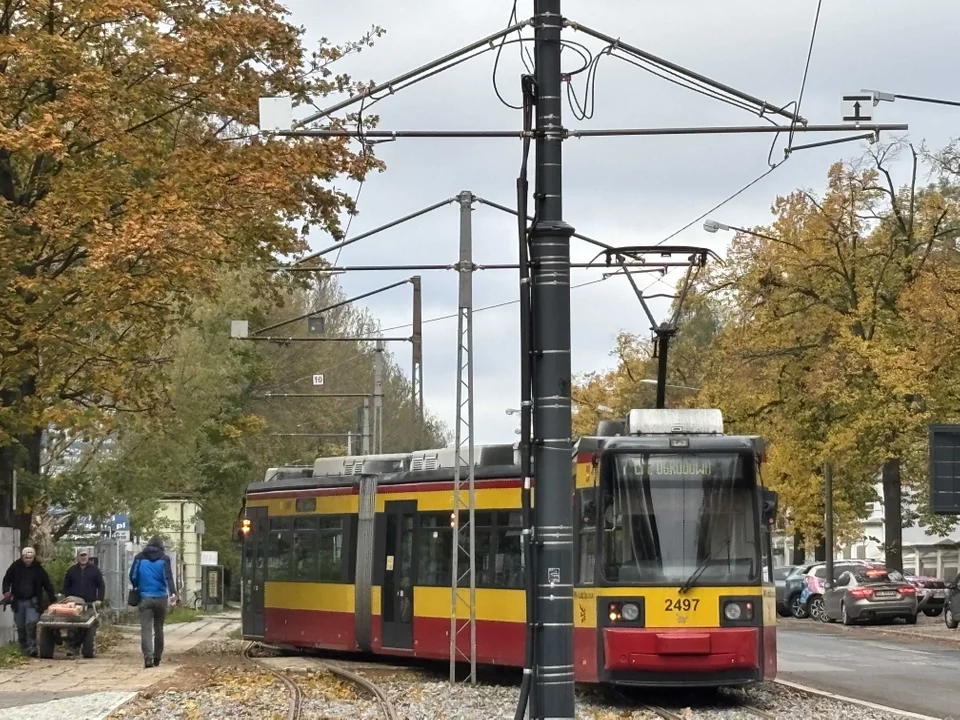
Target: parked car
[(951, 606), (931, 594), (780, 576), (869, 593), (793, 587), (814, 584)]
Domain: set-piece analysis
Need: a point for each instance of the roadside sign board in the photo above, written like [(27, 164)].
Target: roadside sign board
[(857, 108), (209, 557), (945, 469), (120, 526), (318, 380)]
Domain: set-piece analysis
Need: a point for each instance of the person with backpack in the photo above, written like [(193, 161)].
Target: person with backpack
[(24, 585), (151, 576)]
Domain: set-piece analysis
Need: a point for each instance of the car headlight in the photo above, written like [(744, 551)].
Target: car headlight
[(732, 611), (630, 612)]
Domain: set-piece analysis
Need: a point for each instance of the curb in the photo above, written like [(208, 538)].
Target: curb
[(855, 701)]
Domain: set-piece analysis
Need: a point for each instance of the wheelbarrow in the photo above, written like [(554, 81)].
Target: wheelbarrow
[(74, 616)]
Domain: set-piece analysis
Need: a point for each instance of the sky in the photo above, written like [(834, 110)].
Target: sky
[(618, 190)]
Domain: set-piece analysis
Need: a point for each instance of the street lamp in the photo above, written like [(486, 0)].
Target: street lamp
[(650, 381), (879, 97), (712, 226)]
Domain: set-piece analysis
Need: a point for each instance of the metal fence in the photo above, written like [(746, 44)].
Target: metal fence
[(115, 560)]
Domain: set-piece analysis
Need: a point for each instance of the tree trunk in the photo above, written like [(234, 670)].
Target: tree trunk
[(820, 552), (892, 515), (799, 551)]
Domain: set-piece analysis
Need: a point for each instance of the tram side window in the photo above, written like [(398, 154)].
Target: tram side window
[(330, 549), (304, 561), (278, 564), (508, 562), (588, 536), (434, 549)]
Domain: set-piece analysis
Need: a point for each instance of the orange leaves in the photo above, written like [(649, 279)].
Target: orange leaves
[(130, 171)]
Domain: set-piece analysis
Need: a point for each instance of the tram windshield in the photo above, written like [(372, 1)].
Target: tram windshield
[(668, 516)]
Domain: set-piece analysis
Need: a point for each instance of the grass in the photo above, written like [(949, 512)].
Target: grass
[(182, 615), (11, 657), (235, 634)]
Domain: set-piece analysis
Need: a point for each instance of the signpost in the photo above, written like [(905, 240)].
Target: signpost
[(120, 527), (316, 325), (318, 380), (857, 108)]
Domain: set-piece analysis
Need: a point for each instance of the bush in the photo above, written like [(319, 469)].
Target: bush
[(64, 555)]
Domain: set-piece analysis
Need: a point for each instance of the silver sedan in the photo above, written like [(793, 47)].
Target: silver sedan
[(870, 593)]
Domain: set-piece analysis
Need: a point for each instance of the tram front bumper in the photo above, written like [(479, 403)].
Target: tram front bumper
[(697, 650)]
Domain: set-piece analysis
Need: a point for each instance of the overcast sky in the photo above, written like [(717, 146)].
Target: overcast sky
[(619, 190)]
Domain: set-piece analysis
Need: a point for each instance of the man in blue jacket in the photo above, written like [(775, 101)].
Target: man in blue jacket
[(152, 576)]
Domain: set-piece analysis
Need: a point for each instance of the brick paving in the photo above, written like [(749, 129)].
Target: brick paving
[(92, 689)]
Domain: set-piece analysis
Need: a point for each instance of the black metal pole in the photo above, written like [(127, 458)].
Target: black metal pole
[(664, 333), (828, 518), (527, 699), (553, 484)]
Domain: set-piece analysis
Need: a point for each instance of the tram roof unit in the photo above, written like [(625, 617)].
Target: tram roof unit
[(649, 429), (277, 473), (490, 462)]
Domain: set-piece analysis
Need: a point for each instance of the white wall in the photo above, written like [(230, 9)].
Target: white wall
[(9, 552)]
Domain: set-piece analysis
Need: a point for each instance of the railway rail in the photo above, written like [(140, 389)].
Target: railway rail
[(295, 694), (734, 705)]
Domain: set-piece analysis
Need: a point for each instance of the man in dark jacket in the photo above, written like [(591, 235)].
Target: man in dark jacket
[(24, 584), (152, 576), (83, 580)]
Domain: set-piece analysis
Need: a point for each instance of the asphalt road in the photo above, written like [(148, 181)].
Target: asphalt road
[(898, 672)]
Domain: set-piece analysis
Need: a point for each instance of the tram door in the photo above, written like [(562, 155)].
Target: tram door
[(255, 571), (396, 594)]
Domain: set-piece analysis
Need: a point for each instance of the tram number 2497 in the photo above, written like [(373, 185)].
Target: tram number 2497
[(680, 604)]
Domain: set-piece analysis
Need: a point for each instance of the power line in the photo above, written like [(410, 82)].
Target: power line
[(806, 70), (722, 202), (507, 303)]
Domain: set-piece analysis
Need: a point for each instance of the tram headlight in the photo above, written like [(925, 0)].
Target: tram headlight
[(732, 611), (630, 612)]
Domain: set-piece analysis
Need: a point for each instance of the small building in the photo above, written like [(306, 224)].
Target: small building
[(180, 522)]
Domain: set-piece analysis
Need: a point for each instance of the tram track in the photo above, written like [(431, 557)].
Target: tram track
[(294, 693), (363, 684)]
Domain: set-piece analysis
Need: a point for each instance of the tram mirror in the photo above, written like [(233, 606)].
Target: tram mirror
[(770, 500)]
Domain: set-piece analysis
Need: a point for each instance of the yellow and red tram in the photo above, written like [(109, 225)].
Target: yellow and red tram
[(354, 554)]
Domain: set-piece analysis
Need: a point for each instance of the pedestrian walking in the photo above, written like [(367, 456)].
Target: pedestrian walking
[(152, 576), (24, 585), (84, 580)]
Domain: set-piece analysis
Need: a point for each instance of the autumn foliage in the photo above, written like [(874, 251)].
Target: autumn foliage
[(130, 171), (836, 334)]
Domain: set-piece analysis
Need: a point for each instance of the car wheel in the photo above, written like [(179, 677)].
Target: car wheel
[(816, 607), (784, 613), (844, 617), (797, 608), (949, 620), (932, 612), (910, 619)]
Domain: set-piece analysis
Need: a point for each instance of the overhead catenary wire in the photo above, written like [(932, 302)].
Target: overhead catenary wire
[(806, 71)]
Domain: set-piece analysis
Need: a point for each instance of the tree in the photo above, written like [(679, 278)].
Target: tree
[(130, 170), (216, 434), (821, 352)]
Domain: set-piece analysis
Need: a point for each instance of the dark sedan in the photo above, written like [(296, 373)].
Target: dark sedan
[(780, 576), (870, 593)]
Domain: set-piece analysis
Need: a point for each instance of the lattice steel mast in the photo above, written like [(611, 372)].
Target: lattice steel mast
[(463, 592)]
